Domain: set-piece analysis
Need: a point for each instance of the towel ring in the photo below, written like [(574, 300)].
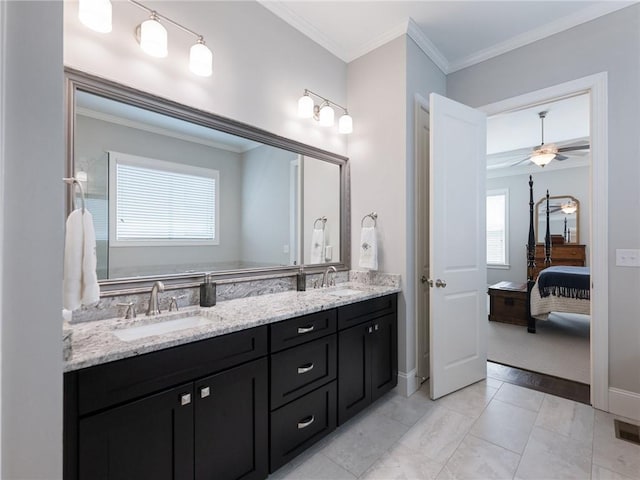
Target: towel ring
[(75, 182), (373, 216), (322, 219)]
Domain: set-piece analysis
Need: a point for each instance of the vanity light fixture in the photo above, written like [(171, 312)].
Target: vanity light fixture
[(323, 113), (151, 34)]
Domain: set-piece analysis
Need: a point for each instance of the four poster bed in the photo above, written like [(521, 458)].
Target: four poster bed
[(556, 288)]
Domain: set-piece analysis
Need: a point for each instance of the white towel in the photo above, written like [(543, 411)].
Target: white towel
[(80, 282), (317, 246), (368, 248)]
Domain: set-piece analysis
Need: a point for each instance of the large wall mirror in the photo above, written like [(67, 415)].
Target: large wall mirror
[(176, 192), (564, 223)]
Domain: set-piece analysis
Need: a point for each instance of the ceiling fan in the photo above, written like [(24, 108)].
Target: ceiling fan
[(543, 154)]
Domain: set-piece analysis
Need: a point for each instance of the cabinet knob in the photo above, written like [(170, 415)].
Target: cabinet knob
[(370, 329), (185, 399), (305, 368), (376, 327), (306, 329), (305, 422), (205, 392)]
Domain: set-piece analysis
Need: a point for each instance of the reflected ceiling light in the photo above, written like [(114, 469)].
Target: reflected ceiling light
[(569, 207), (95, 14), (153, 37), (324, 113)]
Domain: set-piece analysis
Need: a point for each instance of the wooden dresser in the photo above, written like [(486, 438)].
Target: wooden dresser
[(570, 254)]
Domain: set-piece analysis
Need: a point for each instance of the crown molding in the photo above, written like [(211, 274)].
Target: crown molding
[(557, 26), (380, 40), (427, 46)]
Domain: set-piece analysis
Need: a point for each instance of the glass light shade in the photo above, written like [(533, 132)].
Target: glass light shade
[(542, 159), (345, 124), (327, 116), (569, 208), (153, 38), (305, 106), (201, 60), (95, 14)]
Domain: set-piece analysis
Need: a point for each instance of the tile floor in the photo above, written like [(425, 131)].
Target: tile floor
[(490, 430)]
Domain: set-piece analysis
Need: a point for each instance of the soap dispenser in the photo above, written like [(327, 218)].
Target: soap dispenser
[(207, 292), (301, 280)]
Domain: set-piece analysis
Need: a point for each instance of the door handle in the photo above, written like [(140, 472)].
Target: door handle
[(441, 283), (424, 279), (429, 282)]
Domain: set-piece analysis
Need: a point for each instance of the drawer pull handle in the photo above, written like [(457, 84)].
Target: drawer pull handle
[(205, 392), (185, 399), (306, 422), (306, 329), (305, 368)]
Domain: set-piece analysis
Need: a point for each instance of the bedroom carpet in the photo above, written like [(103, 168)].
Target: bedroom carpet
[(559, 348)]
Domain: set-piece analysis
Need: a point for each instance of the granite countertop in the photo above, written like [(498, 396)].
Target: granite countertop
[(94, 343)]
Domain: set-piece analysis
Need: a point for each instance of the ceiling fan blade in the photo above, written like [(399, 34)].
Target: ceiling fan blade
[(574, 148), (520, 162), (560, 157)]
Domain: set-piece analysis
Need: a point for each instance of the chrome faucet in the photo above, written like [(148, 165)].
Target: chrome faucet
[(326, 279), (154, 305)]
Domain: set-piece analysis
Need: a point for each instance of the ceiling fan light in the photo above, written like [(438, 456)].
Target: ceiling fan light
[(569, 207), (541, 158)]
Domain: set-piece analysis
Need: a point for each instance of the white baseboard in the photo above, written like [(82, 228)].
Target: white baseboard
[(624, 403), (408, 383)]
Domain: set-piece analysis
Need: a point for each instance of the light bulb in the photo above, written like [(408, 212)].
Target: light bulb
[(305, 106), (201, 59), (345, 124), (153, 38), (95, 14), (327, 116)]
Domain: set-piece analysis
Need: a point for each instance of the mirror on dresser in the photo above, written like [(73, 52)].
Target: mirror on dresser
[(176, 192), (564, 223)]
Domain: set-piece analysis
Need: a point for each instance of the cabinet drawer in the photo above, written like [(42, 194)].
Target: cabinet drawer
[(290, 333), (360, 312), (124, 380), (301, 369), (301, 423)]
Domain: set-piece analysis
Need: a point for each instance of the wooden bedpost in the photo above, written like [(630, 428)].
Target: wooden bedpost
[(547, 239), (531, 261)]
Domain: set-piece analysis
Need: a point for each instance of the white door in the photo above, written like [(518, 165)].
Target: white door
[(422, 238), (457, 304)]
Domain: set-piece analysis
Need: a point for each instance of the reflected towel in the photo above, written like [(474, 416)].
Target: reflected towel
[(317, 246), (368, 248), (80, 282)]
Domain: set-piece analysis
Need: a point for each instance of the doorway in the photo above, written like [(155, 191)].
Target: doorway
[(596, 86)]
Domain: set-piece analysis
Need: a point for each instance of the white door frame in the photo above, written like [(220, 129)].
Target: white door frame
[(3, 28), (596, 86)]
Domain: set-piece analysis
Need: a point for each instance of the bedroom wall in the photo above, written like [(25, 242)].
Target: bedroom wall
[(612, 44), (570, 181)]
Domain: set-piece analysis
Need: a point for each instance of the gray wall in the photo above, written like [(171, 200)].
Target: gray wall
[(32, 237), (382, 164), (570, 181), (611, 44)]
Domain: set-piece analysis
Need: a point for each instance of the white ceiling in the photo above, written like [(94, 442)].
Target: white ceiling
[(455, 34)]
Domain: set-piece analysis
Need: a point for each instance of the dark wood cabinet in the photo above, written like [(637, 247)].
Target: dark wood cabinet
[(367, 355), (151, 438), (119, 426)]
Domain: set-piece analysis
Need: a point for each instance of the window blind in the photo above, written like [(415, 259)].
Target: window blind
[(155, 204)]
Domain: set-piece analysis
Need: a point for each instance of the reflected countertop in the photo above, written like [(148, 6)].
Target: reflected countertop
[(94, 343)]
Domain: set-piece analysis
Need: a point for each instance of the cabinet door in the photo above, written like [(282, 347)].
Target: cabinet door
[(231, 424), (151, 438), (354, 376), (384, 356)]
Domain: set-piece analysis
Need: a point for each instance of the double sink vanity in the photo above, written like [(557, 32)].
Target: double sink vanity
[(228, 392)]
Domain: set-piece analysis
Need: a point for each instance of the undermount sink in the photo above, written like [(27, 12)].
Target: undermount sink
[(161, 327), (344, 292)]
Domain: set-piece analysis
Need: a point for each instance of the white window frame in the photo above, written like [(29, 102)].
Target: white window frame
[(151, 163), (504, 192)]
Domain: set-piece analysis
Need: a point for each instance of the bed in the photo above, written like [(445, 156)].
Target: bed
[(556, 288)]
